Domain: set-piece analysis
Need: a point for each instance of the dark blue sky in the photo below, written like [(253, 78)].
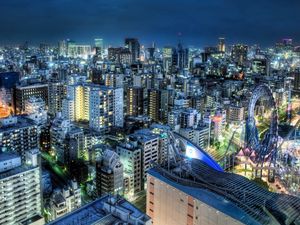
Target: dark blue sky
[(200, 22)]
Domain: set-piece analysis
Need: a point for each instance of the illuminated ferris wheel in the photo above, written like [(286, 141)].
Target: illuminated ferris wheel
[(265, 149)]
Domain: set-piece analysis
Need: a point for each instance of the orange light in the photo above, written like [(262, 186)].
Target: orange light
[(217, 119)]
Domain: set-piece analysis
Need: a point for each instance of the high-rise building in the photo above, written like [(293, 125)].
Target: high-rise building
[(99, 43), (62, 48), (131, 158), (154, 96), (239, 54), (106, 108), (20, 185), (78, 51), (18, 134), (183, 57), (135, 101), (167, 58), (56, 95), (149, 144), (134, 47), (221, 45), (24, 92), (109, 174), (120, 55)]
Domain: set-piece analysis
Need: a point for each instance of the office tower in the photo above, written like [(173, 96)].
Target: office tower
[(134, 47), (183, 57), (235, 114), (106, 108), (135, 101), (62, 48), (131, 158), (151, 52), (120, 55), (239, 54), (18, 134), (99, 45), (65, 200), (167, 58), (221, 45), (56, 95), (109, 174), (78, 51), (20, 189), (24, 92), (105, 210)]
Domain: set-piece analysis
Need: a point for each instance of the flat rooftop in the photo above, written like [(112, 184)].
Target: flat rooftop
[(95, 213)]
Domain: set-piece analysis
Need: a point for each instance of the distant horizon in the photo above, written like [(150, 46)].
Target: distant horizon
[(120, 43)]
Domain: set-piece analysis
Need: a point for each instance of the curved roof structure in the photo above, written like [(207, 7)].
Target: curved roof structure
[(258, 204), (194, 151)]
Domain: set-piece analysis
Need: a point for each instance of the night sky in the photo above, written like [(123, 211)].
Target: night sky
[(200, 22)]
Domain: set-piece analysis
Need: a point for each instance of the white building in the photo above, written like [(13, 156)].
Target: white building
[(106, 108), (131, 158), (20, 195)]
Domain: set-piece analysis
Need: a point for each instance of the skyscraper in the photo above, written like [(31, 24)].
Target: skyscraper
[(134, 47), (239, 54), (221, 45)]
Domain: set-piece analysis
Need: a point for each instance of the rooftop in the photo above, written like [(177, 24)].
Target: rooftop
[(231, 194), (105, 210), (22, 122)]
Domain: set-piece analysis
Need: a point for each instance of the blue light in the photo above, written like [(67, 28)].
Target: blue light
[(197, 153)]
